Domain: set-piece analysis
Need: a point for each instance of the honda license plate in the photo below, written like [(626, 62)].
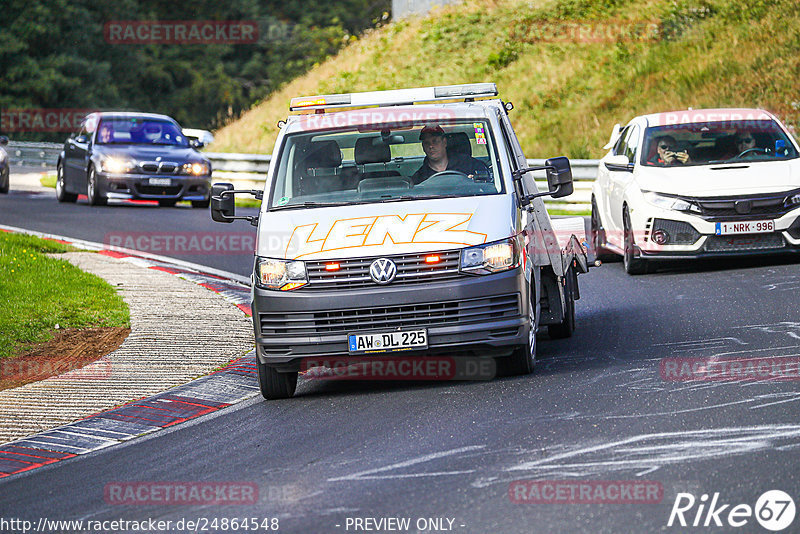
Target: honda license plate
[(388, 341), (745, 227)]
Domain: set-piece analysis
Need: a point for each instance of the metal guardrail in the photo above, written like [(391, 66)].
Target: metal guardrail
[(24, 154), (253, 168)]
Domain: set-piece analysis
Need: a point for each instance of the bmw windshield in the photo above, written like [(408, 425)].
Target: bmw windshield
[(139, 131), (411, 162), (710, 143)]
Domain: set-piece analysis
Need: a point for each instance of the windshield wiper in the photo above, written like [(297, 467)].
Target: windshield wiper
[(308, 205)]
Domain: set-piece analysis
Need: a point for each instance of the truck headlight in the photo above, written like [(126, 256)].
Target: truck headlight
[(670, 203), (196, 169), (282, 275), (115, 165), (491, 257)]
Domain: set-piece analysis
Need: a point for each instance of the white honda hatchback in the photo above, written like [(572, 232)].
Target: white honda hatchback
[(697, 183)]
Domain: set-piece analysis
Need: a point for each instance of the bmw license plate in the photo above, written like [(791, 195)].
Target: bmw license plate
[(388, 341), (744, 227), (160, 181)]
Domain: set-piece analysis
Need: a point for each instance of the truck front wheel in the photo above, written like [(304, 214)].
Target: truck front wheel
[(523, 359), (274, 384)]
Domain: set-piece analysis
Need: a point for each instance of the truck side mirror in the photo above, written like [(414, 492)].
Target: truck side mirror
[(223, 207), (559, 176)]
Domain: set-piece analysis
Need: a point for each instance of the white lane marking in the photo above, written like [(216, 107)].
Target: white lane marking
[(366, 475)]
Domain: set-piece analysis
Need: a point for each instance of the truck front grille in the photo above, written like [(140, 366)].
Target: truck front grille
[(411, 269)]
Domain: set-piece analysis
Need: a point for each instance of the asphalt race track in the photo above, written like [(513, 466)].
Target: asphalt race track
[(601, 406)]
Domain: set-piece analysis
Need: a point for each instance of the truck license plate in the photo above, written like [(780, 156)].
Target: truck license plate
[(388, 341)]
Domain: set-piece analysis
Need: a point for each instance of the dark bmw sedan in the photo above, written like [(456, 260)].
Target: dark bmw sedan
[(142, 156)]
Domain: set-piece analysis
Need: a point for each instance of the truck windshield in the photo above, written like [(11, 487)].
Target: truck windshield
[(410, 162), (710, 143)]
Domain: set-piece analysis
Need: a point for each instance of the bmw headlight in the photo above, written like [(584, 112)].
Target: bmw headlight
[(117, 165), (196, 169), (491, 257), (282, 275), (670, 203)]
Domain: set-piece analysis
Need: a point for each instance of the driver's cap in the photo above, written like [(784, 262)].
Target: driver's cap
[(431, 130)]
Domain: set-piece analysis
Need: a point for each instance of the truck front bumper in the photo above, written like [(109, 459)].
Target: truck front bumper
[(471, 316)]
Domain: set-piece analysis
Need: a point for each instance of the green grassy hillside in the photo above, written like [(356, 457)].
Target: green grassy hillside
[(572, 68)]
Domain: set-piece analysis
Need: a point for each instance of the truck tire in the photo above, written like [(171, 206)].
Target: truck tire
[(274, 384), (567, 326), (523, 360)]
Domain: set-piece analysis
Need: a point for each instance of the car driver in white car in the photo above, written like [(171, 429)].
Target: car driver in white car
[(665, 153)]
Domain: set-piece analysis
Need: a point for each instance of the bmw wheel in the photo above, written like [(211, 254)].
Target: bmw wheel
[(61, 192), (92, 190)]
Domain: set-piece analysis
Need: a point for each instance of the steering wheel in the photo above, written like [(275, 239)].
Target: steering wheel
[(754, 150), (440, 174)]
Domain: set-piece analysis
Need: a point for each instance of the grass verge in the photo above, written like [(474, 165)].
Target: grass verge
[(39, 292), (572, 68)]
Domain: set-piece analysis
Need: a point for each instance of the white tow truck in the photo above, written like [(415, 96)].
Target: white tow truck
[(406, 223)]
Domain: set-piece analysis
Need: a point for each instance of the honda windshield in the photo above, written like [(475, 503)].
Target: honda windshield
[(711, 143)]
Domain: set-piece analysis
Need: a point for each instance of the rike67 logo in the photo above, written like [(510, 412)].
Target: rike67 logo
[(774, 510)]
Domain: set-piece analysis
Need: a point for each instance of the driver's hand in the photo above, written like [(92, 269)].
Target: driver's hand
[(683, 157), (669, 157)]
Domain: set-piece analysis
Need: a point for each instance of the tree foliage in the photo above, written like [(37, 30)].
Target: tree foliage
[(54, 55)]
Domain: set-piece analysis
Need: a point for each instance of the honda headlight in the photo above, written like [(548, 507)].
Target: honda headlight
[(196, 169), (117, 165), (491, 257), (282, 275), (670, 203)]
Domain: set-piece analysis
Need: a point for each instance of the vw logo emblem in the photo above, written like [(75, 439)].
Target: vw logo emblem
[(383, 271)]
